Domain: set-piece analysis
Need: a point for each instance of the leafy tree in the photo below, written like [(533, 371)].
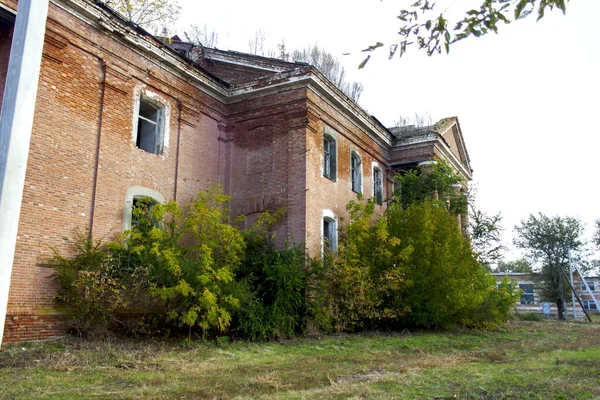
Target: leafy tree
[(596, 239), (436, 182), (446, 284), (548, 240), (423, 24), (486, 237), (519, 265), (147, 13)]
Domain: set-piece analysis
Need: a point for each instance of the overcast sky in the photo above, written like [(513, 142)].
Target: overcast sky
[(527, 99)]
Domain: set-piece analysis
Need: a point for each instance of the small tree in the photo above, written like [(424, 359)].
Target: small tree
[(519, 265), (447, 284), (329, 66), (437, 182), (201, 36), (486, 237), (147, 13), (548, 240)]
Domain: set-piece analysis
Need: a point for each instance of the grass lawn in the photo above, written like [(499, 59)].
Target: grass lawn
[(533, 360)]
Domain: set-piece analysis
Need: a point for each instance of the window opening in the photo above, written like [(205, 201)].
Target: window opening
[(329, 234), (329, 157), (356, 173), (378, 185), (149, 129), (590, 284), (141, 207), (527, 294)]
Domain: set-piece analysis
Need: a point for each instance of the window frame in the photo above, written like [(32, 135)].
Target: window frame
[(356, 175), (161, 132), (329, 156), (377, 175), (590, 283), (526, 296), (328, 236), (137, 192)]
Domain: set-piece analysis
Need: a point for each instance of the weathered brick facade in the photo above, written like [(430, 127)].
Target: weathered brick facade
[(252, 124)]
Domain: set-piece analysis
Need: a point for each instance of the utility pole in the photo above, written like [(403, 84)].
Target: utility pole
[(16, 121), (572, 285)]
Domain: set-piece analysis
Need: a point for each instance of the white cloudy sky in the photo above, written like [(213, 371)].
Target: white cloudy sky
[(527, 99)]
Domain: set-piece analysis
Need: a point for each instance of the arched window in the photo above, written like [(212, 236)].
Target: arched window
[(356, 172), (138, 196), (329, 157)]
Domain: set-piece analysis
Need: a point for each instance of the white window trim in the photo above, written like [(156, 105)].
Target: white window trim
[(361, 191), (136, 192), (328, 214), (327, 131), (375, 164), (151, 97)]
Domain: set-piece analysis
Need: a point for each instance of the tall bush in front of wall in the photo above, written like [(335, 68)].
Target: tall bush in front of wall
[(198, 270), (434, 182), (89, 292), (355, 286), (271, 285)]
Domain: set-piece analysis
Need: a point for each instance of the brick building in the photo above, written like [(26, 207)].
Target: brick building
[(120, 115)]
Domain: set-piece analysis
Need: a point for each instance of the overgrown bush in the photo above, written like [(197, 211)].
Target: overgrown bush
[(357, 284), (448, 285), (89, 290), (272, 285)]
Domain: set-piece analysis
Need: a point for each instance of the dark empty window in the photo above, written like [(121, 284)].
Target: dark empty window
[(329, 157), (378, 185), (150, 127), (140, 212), (356, 172)]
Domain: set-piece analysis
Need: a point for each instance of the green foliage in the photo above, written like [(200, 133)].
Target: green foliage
[(447, 284), (194, 259), (530, 316), (520, 265), (437, 182), (548, 240), (147, 13), (361, 281), (88, 290), (486, 239), (271, 285), (421, 23)]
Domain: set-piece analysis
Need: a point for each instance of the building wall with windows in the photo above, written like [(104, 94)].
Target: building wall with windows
[(121, 115), (324, 193)]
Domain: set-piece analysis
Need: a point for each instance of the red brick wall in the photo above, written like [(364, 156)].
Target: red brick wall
[(268, 165), (61, 169), (324, 194)]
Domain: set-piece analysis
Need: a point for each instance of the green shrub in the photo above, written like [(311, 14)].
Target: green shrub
[(447, 284), (357, 285), (89, 291), (530, 316), (273, 283)]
